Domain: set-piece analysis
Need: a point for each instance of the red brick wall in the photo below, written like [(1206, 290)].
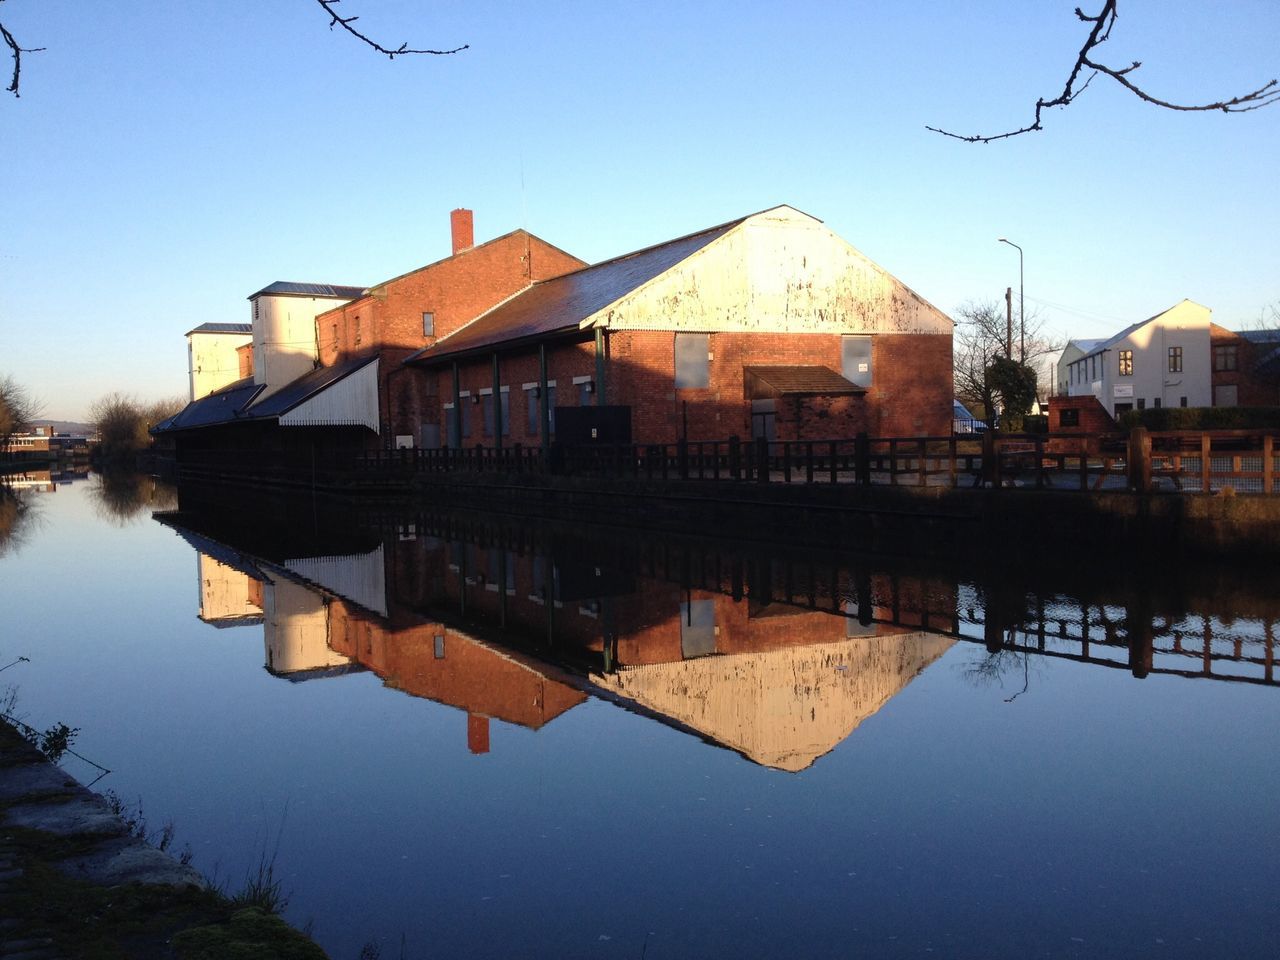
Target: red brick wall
[(910, 394), (1251, 391), (455, 290)]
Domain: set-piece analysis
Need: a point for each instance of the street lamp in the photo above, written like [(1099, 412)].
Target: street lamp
[(1022, 306)]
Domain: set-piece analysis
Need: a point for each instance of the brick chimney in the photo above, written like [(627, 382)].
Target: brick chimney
[(463, 228)]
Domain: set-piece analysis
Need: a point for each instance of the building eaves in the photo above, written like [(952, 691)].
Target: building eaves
[(244, 328), (226, 405), (289, 288)]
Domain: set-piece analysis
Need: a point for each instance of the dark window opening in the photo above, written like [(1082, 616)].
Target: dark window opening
[(1175, 359), (1069, 418)]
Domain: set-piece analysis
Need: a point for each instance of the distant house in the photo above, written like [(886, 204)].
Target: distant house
[(1164, 360), (1073, 351)]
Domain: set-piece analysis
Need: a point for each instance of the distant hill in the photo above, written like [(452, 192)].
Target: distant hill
[(74, 427)]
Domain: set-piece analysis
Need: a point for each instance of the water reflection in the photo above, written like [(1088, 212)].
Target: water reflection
[(778, 657)]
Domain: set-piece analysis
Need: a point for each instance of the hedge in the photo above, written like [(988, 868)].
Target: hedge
[(1202, 418)]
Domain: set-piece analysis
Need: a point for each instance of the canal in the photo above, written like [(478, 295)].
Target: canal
[(467, 735)]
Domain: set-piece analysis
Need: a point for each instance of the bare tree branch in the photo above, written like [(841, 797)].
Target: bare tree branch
[(346, 24), (15, 51), (1103, 21)]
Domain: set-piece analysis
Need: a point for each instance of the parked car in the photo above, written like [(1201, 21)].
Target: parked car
[(962, 421)]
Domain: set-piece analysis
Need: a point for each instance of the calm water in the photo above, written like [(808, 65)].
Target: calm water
[(479, 739)]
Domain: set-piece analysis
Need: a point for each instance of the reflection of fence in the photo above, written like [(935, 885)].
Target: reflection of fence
[(1130, 635), (1181, 461)]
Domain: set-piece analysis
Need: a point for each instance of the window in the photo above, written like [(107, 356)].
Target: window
[(1182, 401), (1175, 359), (1224, 358), (1142, 403), (855, 360), (693, 361), (585, 389), (357, 330), (532, 425), (1156, 403), (439, 646), (486, 398), (486, 425), (1069, 418), (504, 409), (465, 398), (697, 628), (1126, 363), (428, 324)]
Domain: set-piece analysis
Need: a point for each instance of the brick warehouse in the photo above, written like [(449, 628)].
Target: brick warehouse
[(770, 325)]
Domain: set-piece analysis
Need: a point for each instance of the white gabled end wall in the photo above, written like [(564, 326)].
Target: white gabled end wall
[(350, 402)]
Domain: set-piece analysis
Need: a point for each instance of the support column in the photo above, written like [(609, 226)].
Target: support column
[(600, 391), (457, 408)]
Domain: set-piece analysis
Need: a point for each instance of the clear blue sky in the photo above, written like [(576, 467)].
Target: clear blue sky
[(168, 159)]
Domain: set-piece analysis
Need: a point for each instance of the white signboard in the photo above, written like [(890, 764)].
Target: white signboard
[(1123, 390)]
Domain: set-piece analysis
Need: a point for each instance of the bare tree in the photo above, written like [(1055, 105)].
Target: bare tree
[(1103, 21), (981, 339), (17, 408), (16, 50)]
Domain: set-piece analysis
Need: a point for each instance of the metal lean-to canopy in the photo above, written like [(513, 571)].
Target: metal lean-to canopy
[(762, 383)]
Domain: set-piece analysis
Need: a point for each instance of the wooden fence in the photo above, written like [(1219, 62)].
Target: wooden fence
[(1164, 462)]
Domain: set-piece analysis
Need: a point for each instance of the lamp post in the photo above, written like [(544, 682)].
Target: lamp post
[(1022, 306)]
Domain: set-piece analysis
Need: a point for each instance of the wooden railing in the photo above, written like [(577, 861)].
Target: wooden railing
[(1168, 462)]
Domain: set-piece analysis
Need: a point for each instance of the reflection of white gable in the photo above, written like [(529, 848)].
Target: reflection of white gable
[(351, 401), (360, 578), (781, 708)]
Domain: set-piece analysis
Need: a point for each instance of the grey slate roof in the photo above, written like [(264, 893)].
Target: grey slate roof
[(797, 380), (291, 289), (561, 304), (235, 402), (245, 328)]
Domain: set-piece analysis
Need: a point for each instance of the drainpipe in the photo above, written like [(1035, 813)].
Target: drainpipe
[(544, 397), (497, 405), (457, 408), (600, 401)]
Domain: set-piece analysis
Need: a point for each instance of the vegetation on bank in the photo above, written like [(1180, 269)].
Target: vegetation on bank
[(123, 423), (144, 921)]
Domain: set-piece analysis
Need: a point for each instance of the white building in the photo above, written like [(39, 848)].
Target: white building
[(284, 329), (213, 360), (1163, 361)]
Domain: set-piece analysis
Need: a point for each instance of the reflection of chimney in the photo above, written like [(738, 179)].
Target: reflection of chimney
[(463, 228), (477, 733)]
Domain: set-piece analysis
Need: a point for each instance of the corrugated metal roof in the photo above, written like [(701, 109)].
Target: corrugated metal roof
[(561, 304), (245, 328), (795, 380), (289, 288), (307, 386), (232, 403), (221, 406)]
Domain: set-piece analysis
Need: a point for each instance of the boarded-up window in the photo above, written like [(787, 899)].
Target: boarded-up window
[(451, 425), (855, 360), (693, 361), (697, 628)]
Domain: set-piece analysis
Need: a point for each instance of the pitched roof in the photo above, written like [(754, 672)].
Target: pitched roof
[(561, 304), (1101, 346), (307, 386), (289, 288), (235, 402), (245, 328), (797, 380)]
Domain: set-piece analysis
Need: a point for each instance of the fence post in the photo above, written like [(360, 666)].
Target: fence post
[(862, 458), (831, 449), (786, 460), (923, 466), (1204, 463), (990, 459), (762, 460), (1039, 462), (735, 458), (951, 466), (682, 457), (1268, 466), (808, 461), (1140, 460)]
